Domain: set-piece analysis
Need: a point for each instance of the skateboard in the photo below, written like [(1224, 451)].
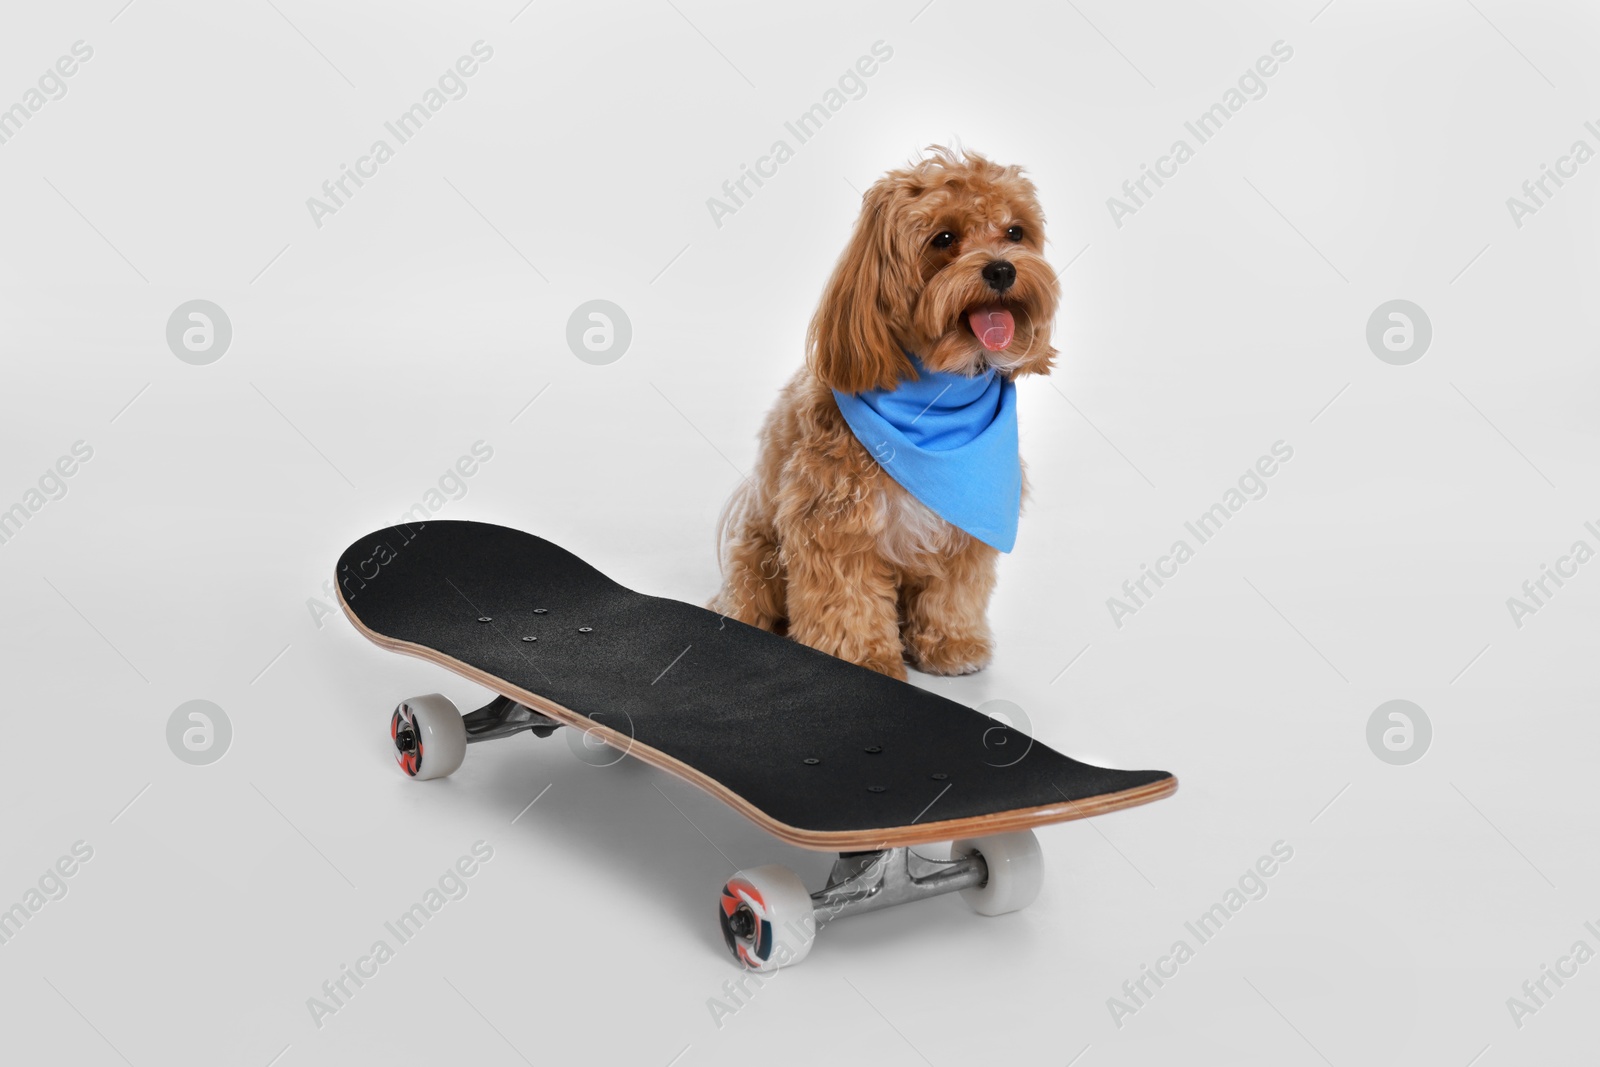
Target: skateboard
[(819, 752)]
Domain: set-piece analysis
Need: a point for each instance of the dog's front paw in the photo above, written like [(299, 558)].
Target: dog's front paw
[(936, 653), (893, 666)]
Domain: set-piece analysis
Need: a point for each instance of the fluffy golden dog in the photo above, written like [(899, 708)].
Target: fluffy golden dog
[(820, 543)]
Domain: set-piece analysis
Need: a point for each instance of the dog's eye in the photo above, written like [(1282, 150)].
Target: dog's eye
[(1014, 233), (943, 239)]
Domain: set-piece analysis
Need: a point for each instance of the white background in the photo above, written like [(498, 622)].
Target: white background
[(368, 354)]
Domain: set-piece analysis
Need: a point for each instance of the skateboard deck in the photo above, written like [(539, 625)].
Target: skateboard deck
[(819, 752)]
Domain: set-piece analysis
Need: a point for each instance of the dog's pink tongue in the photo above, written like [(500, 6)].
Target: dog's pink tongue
[(993, 326)]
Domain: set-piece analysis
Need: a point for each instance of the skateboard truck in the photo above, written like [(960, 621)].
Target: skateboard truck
[(867, 881), (431, 737), (770, 921), (502, 717)]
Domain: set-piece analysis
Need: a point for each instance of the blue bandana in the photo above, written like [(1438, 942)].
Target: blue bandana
[(951, 441)]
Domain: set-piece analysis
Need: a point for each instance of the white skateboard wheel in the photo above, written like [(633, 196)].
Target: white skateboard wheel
[(766, 917), (429, 735), (1016, 871)]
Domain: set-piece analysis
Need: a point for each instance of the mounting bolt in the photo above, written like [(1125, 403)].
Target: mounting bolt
[(540, 611), (874, 749), (530, 639), (484, 618), (877, 789), (939, 777), (811, 761), (586, 629)]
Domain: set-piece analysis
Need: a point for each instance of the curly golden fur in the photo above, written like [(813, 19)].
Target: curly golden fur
[(820, 542)]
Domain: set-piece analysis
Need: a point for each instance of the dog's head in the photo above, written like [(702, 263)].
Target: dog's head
[(946, 262)]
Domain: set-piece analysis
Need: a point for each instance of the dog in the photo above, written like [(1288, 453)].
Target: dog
[(888, 480)]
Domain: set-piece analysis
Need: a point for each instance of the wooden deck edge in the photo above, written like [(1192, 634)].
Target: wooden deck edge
[(815, 840)]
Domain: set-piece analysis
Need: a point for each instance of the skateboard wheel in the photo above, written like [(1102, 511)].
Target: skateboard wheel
[(766, 917), (1016, 871), (429, 735)]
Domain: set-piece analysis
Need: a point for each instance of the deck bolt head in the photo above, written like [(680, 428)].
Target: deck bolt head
[(877, 788), (811, 761), (530, 639), (484, 618), (540, 611), (940, 777), (586, 629), (873, 749)]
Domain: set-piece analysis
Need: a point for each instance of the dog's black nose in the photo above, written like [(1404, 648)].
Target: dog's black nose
[(1000, 275)]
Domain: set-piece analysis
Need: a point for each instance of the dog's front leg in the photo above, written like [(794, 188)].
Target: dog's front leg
[(947, 615), (753, 583), (842, 600)]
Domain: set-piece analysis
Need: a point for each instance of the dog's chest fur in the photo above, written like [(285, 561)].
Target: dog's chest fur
[(911, 535)]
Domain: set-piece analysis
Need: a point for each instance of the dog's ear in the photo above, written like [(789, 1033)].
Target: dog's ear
[(851, 344)]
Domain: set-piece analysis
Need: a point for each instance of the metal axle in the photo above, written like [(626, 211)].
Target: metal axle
[(867, 881)]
